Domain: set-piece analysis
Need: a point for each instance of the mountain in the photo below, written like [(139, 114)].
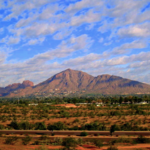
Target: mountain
[(73, 81), (13, 87)]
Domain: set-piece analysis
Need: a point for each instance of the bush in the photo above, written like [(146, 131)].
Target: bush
[(94, 126), (1, 127), (41, 148), (112, 148), (76, 120), (69, 143), (56, 126), (52, 134), (58, 141), (25, 125), (26, 140), (40, 126), (112, 129), (123, 140), (14, 125), (36, 143), (11, 140), (80, 141), (43, 137), (98, 143), (142, 139), (83, 134)]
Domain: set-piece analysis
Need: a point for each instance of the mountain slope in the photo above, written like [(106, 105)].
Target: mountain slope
[(107, 84), (70, 81), (67, 80), (13, 87)]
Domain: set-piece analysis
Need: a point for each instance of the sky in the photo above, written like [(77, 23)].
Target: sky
[(39, 38)]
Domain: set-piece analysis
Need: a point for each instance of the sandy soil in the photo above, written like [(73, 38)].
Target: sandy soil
[(84, 147)]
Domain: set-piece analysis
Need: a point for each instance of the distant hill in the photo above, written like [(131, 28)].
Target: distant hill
[(14, 87), (72, 81)]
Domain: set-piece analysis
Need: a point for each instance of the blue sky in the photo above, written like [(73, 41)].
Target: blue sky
[(41, 38)]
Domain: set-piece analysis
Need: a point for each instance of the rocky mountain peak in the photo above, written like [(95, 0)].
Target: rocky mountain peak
[(27, 83)]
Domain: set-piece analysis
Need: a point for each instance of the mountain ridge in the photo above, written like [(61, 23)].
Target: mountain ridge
[(73, 81)]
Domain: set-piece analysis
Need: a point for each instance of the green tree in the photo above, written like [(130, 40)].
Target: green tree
[(120, 100), (112, 129)]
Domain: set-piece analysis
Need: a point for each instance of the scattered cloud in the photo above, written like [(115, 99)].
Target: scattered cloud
[(101, 40), (139, 30), (13, 40), (99, 37), (36, 41), (123, 49)]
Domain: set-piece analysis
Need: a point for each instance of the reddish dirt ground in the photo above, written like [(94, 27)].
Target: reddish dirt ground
[(67, 105), (84, 147)]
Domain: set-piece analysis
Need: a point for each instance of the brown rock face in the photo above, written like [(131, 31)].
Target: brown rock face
[(13, 86), (27, 83)]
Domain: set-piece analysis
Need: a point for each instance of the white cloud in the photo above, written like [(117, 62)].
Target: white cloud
[(17, 7), (63, 34), (124, 7), (64, 49), (137, 44), (10, 40), (13, 40), (140, 30), (74, 8), (89, 17), (25, 22), (36, 41), (49, 12), (3, 56), (124, 13), (82, 60)]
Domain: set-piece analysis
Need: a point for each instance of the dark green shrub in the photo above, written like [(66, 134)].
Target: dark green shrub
[(11, 140), (58, 141), (142, 139), (52, 134), (98, 143), (123, 140), (40, 126), (25, 125), (83, 134), (36, 143), (76, 120), (43, 137), (112, 129), (69, 143), (1, 127), (14, 125), (79, 141), (94, 126), (26, 140), (56, 126)]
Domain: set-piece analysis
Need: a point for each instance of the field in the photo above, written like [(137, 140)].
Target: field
[(71, 117), (90, 117)]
